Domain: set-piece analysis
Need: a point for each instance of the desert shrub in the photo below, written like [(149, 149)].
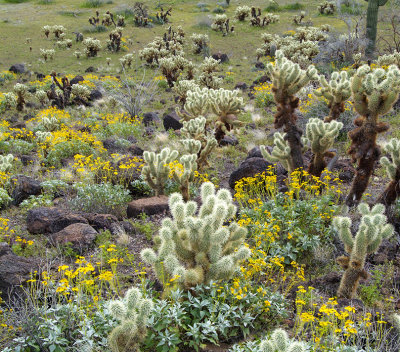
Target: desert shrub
[(100, 198), (293, 6), (42, 200), (5, 199), (214, 315), (67, 149), (92, 3)]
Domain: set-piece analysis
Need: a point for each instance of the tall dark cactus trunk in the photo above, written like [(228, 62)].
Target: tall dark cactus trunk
[(372, 24)]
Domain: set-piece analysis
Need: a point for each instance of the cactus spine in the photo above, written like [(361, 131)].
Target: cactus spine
[(336, 91), (392, 190), (374, 94), (321, 136), (287, 79), (372, 24), (132, 311), (199, 248), (280, 342), (156, 169), (372, 230)]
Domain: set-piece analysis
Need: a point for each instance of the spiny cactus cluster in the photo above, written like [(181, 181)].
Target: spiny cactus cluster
[(242, 12), (221, 24), (200, 43), (9, 100), (374, 93), (6, 162), (257, 20), (196, 244), (280, 152), (132, 312), (92, 47), (41, 96), (173, 66), (43, 136), (208, 74), (327, 8), (195, 130), (22, 93), (156, 169), (47, 54), (336, 91), (372, 230), (182, 87), (391, 59), (280, 342), (114, 42), (392, 167), (287, 80), (321, 136), (297, 19), (57, 30), (80, 93), (126, 60)]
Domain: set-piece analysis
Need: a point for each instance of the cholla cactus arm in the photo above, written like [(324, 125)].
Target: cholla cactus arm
[(242, 12), (21, 91), (132, 312), (80, 93), (171, 67), (183, 173), (201, 247), (6, 162), (182, 87), (280, 152), (392, 191), (321, 136), (374, 94), (10, 100), (208, 74), (197, 104), (287, 79), (92, 46), (336, 91), (372, 230), (396, 321), (280, 342), (156, 169), (199, 43), (387, 60)]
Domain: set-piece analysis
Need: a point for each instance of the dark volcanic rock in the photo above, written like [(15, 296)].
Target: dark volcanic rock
[(25, 186), (17, 68), (90, 69), (221, 57), (150, 118), (135, 150), (241, 86), (101, 221), (171, 121), (80, 236), (149, 206), (76, 80), (248, 168), (95, 94), (229, 140), (50, 220)]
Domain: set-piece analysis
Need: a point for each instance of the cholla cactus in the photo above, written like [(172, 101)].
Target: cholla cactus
[(183, 172), (197, 103), (50, 123), (280, 342), (46, 30), (43, 136), (321, 136), (21, 90), (196, 249), (396, 321), (372, 230), (374, 94), (172, 67), (242, 12), (392, 167), (92, 47), (387, 60), (336, 91), (195, 130), (80, 93), (200, 43), (298, 18), (327, 8), (221, 24), (77, 54), (9, 100), (126, 60), (182, 87), (287, 80), (156, 169), (208, 74), (313, 34), (115, 39), (280, 152), (65, 43), (6, 162), (47, 54), (41, 96), (132, 312), (58, 31), (226, 105)]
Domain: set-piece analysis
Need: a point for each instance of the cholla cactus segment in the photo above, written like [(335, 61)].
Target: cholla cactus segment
[(156, 170), (77, 54), (336, 91), (182, 87), (321, 136), (374, 93), (92, 46), (242, 12), (43, 136), (372, 230), (6, 162), (396, 321), (41, 96), (21, 91), (197, 103), (392, 166), (46, 30), (126, 60), (58, 31), (327, 8), (65, 43), (172, 67), (196, 249), (224, 102), (132, 312), (197, 137), (280, 342), (280, 152), (10, 100), (208, 74), (200, 43), (47, 54), (183, 172)]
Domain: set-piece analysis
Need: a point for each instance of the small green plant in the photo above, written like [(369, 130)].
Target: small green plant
[(92, 4)]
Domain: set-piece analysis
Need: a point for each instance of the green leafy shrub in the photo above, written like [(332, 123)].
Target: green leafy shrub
[(5, 199), (68, 149), (42, 200)]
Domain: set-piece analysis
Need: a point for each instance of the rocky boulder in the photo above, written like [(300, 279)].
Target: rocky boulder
[(17, 68), (25, 186), (248, 168), (149, 206), (80, 236)]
